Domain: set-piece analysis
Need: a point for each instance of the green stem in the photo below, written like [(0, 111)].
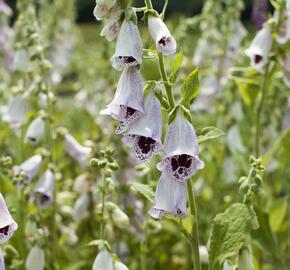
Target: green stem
[(148, 4), (195, 233), (168, 87), (102, 226)]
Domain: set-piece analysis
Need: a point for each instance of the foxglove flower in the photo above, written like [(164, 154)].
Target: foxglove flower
[(7, 223), (103, 261), (120, 266), (30, 167), (144, 135), (75, 150), (82, 183), (181, 159), (259, 49), (128, 51), (15, 112), (35, 131), (103, 8), (283, 34), (245, 259), (81, 207), (113, 25), (2, 265), (35, 259), (126, 106), (170, 198), (164, 41), (43, 191), (237, 37)]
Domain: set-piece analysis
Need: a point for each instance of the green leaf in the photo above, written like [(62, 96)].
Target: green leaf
[(176, 66), (145, 190), (277, 213), (148, 87), (189, 89), (229, 232), (249, 92), (208, 133)]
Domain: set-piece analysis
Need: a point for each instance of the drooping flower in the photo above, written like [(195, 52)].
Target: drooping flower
[(259, 49), (15, 112), (164, 41), (103, 8), (128, 51), (126, 106), (170, 198), (181, 159), (30, 167), (112, 26), (144, 135), (7, 224), (75, 150), (120, 266), (103, 261), (82, 183), (35, 131), (43, 191), (35, 259), (81, 206), (2, 264)]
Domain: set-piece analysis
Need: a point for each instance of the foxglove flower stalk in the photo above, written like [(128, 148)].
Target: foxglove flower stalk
[(35, 259), (75, 150), (15, 112), (30, 167), (170, 198), (35, 131), (103, 261), (259, 49), (126, 106), (113, 25), (144, 135), (181, 159), (43, 191), (164, 41), (128, 51), (2, 265), (7, 224)]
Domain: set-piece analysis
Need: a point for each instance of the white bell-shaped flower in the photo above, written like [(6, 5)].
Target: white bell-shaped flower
[(245, 260), (82, 183), (101, 13), (113, 25), (126, 106), (30, 167), (164, 41), (144, 135), (44, 189), (35, 259), (7, 223), (181, 159), (76, 150), (120, 266), (170, 198), (128, 51), (103, 261), (106, 3), (259, 49), (237, 38), (15, 112), (2, 264), (204, 257), (35, 131), (283, 34), (81, 207)]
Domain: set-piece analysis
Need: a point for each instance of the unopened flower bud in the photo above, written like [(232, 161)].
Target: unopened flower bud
[(120, 218), (35, 259)]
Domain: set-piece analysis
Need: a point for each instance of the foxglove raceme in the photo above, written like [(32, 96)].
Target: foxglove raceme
[(7, 223), (113, 25), (259, 49), (181, 159), (75, 150), (35, 259), (103, 261), (144, 135), (30, 167), (128, 51), (15, 112), (35, 131), (170, 198), (2, 264), (164, 41), (43, 191), (126, 106)]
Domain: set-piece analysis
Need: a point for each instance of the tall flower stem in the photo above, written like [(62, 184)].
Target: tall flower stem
[(102, 226)]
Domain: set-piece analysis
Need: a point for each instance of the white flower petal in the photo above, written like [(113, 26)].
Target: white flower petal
[(35, 131), (35, 259), (103, 261)]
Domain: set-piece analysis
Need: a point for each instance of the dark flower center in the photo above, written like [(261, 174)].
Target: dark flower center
[(127, 59), (181, 163), (163, 41), (145, 144), (130, 112), (258, 58), (4, 230)]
